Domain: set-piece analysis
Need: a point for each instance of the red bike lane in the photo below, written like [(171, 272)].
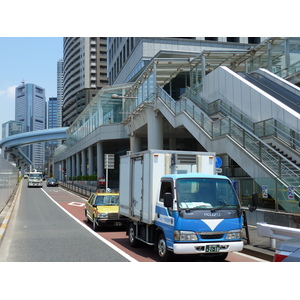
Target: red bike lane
[(74, 204)]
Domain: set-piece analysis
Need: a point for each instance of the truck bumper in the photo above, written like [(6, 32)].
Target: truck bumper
[(200, 248)]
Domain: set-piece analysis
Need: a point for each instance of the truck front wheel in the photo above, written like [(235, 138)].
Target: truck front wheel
[(162, 249)]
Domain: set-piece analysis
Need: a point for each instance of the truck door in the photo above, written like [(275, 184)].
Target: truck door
[(137, 187)]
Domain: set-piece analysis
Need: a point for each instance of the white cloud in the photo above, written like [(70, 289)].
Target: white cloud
[(7, 105), (9, 93)]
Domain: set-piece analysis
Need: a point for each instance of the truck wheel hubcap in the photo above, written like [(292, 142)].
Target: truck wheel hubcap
[(162, 248)]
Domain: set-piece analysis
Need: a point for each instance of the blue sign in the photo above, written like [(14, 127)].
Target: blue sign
[(218, 162)]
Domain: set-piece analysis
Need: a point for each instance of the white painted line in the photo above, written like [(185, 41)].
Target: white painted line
[(78, 204), (93, 232)]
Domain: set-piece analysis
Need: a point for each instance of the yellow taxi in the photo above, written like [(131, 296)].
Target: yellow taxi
[(102, 208)]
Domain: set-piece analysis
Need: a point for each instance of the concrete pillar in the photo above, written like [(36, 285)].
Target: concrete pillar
[(91, 160), (69, 174), (62, 172), (135, 144), (100, 162), (83, 162), (73, 166), (78, 163), (155, 129), (56, 170)]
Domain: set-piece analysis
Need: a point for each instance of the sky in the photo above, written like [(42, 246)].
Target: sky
[(32, 59)]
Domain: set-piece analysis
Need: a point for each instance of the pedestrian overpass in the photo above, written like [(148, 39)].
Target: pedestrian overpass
[(11, 144)]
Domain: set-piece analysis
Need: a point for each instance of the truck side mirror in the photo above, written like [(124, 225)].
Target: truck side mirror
[(168, 200), (254, 202)]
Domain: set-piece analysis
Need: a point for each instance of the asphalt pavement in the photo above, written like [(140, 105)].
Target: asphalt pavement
[(39, 231), (257, 246)]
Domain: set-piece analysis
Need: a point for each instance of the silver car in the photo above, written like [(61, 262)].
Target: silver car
[(288, 251)]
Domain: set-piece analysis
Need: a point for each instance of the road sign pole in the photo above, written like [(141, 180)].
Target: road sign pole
[(109, 163), (106, 183)]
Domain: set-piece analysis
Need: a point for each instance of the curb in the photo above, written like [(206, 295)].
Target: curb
[(258, 252), (8, 214)]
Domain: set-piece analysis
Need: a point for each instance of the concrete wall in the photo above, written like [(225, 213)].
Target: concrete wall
[(8, 180)]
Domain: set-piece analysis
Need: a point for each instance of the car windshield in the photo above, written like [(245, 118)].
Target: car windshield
[(107, 200), (35, 176), (206, 193), (51, 180)]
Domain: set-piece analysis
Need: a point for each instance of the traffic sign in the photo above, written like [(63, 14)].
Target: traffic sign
[(109, 161), (218, 162)]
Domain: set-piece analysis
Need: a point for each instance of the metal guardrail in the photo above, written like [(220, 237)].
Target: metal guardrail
[(275, 232), (84, 190)]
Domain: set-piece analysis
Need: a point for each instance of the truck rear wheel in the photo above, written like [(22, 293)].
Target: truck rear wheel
[(131, 233), (162, 249)]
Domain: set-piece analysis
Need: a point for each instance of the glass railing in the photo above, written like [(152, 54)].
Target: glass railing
[(283, 172), (260, 129)]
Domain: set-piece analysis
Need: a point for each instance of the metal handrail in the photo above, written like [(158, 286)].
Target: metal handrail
[(265, 154)]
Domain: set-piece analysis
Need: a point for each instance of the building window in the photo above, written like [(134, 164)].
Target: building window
[(233, 39)]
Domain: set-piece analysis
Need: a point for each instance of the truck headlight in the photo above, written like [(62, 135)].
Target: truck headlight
[(185, 236), (102, 216), (233, 235)]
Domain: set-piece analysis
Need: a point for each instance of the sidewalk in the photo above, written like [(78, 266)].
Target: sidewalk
[(258, 246)]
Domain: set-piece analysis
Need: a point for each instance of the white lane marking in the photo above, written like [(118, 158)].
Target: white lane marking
[(93, 232), (251, 257), (78, 204)]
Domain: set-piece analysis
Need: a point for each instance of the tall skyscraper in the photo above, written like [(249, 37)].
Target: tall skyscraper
[(30, 109), (60, 82), (84, 65)]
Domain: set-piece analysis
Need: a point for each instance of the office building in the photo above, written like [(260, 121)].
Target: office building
[(84, 65), (11, 127), (30, 109), (60, 82)]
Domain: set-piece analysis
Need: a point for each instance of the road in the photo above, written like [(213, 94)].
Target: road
[(48, 225)]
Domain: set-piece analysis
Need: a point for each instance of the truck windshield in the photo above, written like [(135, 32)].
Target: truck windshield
[(206, 193), (35, 176)]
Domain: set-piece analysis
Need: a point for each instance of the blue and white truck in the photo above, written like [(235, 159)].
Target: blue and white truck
[(175, 201)]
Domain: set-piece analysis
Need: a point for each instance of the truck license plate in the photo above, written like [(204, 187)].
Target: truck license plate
[(212, 248)]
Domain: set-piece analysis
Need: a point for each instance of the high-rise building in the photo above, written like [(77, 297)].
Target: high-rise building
[(53, 111), (30, 109), (60, 82), (84, 69), (11, 127)]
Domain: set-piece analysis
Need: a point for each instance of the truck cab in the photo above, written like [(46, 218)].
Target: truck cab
[(35, 179), (198, 214)]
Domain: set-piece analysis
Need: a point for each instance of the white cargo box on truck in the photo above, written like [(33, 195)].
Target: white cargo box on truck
[(140, 175)]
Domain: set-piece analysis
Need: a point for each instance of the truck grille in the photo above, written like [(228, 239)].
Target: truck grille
[(211, 236)]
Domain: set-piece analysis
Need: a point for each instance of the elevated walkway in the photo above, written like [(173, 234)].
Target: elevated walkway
[(32, 137)]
